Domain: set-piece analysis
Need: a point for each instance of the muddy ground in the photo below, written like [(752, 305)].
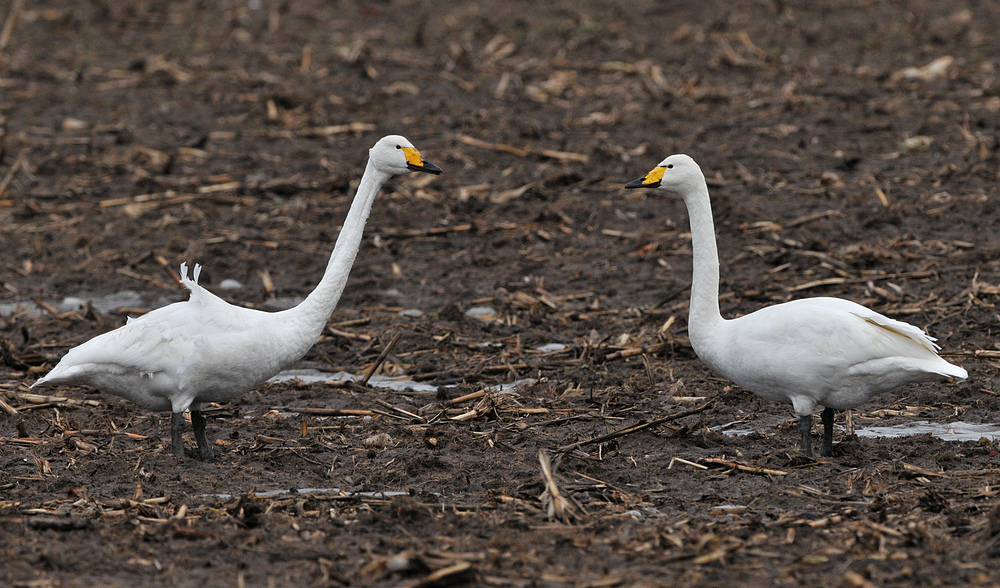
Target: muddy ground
[(852, 149)]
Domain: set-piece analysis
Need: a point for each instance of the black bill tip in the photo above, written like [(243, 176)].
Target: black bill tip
[(425, 167)]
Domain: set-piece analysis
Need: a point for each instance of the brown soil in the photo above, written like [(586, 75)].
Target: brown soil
[(137, 135)]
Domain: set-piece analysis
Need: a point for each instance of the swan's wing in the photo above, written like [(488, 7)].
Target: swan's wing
[(151, 344), (164, 340), (203, 343), (828, 337), (845, 325), (898, 328)]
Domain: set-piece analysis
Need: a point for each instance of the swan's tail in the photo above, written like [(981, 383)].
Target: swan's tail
[(951, 371), (59, 375), (902, 329), (934, 368), (185, 280)]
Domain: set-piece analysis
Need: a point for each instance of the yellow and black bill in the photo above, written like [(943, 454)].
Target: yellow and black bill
[(650, 180), (416, 162)]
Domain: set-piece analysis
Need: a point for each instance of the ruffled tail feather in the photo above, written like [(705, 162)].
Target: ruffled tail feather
[(185, 280)]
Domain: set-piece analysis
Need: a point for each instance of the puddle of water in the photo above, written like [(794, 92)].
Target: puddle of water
[(103, 304), (732, 429), (281, 303), (508, 386), (744, 427), (550, 347), (956, 431), (106, 304), (398, 384), (311, 375), (277, 493), (25, 308), (483, 313)]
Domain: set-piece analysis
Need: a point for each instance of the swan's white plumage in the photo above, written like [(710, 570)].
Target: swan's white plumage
[(207, 350), (822, 351), (816, 351), (203, 349)]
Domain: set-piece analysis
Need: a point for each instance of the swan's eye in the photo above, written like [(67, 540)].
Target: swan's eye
[(398, 147), (670, 166)]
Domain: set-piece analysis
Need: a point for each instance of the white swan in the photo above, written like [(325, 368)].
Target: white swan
[(207, 350), (818, 351)]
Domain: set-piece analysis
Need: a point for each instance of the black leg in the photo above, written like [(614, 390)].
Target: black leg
[(805, 427), (827, 417), (198, 422), (176, 428)]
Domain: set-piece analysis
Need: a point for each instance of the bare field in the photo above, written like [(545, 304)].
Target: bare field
[(852, 149)]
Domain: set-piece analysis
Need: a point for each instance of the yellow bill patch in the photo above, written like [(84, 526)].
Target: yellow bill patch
[(413, 156), (654, 176)]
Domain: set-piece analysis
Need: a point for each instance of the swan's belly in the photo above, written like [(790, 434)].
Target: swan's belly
[(829, 386), (158, 392), (148, 392)]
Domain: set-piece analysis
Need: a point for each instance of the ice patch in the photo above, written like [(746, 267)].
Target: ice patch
[(297, 491), (509, 386), (282, 302), (24, 308), (956, 431), (104, 304), (311, 375), (483, 313), (398, 384), (550, 347)]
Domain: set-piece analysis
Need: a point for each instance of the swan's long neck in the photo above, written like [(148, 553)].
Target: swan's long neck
[(704, 318), (311, 315)]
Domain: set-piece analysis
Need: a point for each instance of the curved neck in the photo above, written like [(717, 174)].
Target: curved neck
[(316, 309), (705, 265)]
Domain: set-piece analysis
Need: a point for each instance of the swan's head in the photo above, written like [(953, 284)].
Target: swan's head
[(678, 174), (393, 154)]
